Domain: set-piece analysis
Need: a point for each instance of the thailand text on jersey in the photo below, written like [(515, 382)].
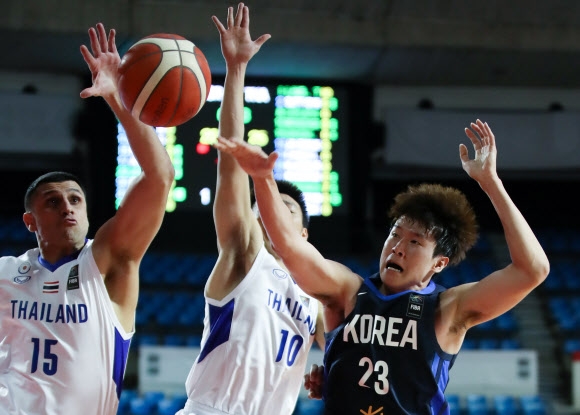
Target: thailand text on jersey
[(254, 346), (62, 348)]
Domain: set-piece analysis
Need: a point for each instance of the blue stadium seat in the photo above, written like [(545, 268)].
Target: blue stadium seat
[(505, 405), (454, 402), (170, 405), (533, 405), (507, 322), (469, 344), (489, 344), (141, 406), (510, 344), (193, 341), (306, 406), (476, 404), (125, 401), (173, 340), (153, 397), (145, 340), (571, 346)]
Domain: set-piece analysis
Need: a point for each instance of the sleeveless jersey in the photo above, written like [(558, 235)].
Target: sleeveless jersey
[(254, 346), (62, 348), (385, 358)]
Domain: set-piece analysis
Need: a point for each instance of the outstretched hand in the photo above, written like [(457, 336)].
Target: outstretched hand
[(483, 165), (251, 158), (103, 62), (236, 42)]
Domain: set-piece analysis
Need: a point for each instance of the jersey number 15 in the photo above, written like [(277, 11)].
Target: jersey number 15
[(50, 359)]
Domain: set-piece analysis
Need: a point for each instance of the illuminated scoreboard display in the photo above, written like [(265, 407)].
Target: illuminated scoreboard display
[(306, 125)]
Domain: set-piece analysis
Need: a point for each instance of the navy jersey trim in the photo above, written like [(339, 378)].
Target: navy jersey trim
[(120, 360), (425, 291), (220, 323)]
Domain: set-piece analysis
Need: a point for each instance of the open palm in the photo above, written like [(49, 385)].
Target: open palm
[(103, 62), (251, 158), (483, 165)]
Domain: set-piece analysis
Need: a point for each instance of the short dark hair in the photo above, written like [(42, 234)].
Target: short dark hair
[(288, 188), (51, 177), (444, 212)]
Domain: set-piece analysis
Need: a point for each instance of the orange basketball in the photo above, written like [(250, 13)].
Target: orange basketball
[(164, 80)]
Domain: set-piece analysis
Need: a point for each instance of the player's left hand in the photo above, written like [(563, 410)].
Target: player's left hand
[(103, 62)]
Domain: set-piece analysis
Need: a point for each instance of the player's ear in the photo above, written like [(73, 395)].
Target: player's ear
[(441, 263), (304, 233), (29, 221)]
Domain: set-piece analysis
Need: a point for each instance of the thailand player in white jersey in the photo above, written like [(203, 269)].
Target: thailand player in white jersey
[(259, 326), (67, 308)]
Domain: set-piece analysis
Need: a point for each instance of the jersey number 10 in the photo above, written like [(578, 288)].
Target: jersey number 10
[(294, 345)]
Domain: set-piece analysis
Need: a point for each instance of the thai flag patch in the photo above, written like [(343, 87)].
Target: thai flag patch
[(50, 287)]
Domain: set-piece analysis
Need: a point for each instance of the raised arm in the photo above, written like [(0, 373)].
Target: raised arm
[(121, 242), (503, 289), (239, 236), (330, 282)]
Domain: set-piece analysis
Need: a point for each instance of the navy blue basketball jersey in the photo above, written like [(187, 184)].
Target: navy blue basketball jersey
[(385, 358)]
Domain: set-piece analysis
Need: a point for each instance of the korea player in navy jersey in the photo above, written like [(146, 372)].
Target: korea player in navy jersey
[(393, 337), (67, 307), (259, 324)]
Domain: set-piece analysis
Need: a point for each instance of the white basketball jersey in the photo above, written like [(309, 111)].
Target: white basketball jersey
[(62, 348), (254, 347)]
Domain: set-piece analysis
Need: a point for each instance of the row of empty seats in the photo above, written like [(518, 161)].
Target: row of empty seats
[(559, 241), (478, 404), (158, 403), (564, 276)]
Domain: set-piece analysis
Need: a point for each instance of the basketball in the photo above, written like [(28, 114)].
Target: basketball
[(164, 80)]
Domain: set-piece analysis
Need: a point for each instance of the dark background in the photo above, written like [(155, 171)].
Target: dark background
[(365, 45)]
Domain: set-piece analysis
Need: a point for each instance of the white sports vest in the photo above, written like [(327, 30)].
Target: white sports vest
[(254, 346), (62, 348)]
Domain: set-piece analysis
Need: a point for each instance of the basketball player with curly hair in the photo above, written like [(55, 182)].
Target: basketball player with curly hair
[(392, 338)]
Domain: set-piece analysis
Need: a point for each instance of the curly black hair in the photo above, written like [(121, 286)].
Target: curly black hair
[(444, 212)]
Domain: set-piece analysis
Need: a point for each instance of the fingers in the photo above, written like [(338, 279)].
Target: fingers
[(272, 159), (99, 41), (245, 17), (262, 39), (87, 55), (230, 18), (240, 14), (112, 45), (87, 92), (225, 145), (220, 27), (102, 37), (94, 40), (484, 135), (463, 153), (489, 134), (473, 138)]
